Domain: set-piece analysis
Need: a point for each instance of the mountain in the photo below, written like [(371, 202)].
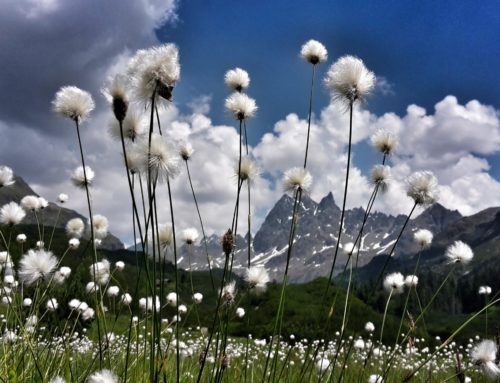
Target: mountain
[(52, 215), (316, 238)]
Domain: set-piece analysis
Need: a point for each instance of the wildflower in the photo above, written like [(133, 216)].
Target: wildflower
[(103, 376), (189, 236), (423, 238), (120, 265), (75, 227), (9, 280), (349, 80), (484, 355), (186, 150), (182, 309), (314, 52), (459, 252), (228, 242), (375, 379), (100, 225), (172, 299), (36, 265), (394, 283), (62, 198), (241, 106), (74, 243), (52, 304), (257, 277), (31, 203), (240, 312), (74, 304), (161, 159), (57, 379), (133, 126), (82, 178), (155, 72), (6, 176), (73, 103), (380, 176), (40, 244), (146, 304), (113, 291), (322, 365), (359, 344), (126, 299), (65, 271), (100, 272), (297, 179), (411, 281), (247, 169), (91, 287), (349, 248), (197, 298), (11, 214), (229, 293), (384, 141), (237, 79), (21, 238), (116, 94), (484, 290), (88, 314), (134, 159), (422, 188), (27, 302), (369, 327)]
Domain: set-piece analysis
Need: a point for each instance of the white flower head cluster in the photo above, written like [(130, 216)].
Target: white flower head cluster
[(101, 225), (384, 141), (423, 238), (161, 159), (73, 103), (484, 354), (459, 252), (103, 376), (422, 187), (229, 293), (394, 283), (197, 298), (154, 71), (75, 228), (116, 94), (411, 281), (36, 265), (83, 178), (349, 80), (297, 178), (186, 150), (381, 175), (257, 278), (189, 236), (149, 303), (6, 176), (241, 106), (100, 272), (11, 214), (134, 126), (247, 169), (484, 290), (369, 327), (62, 198), (314, 52), (237, 79)]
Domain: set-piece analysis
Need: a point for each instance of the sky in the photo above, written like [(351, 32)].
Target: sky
[(437, 89)]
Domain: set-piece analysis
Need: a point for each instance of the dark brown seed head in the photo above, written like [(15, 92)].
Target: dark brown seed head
[(120, 107), (228, 242), (165, 91)]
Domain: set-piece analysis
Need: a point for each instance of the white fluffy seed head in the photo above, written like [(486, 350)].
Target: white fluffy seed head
[(349, 248), (165, 237), (369, 327), (348, 80), (247, 170), (134, 126), (322, 365), (80, 178), (241, 106), (384, 141), (297, 178), (75, 228), (74, 243), (31, 203), (6, 176), (36, 265), (484, 354), (197, 298), (91, 287), (380, 176), (119, 265), (172, 299), (375, 379), (73, 103), (161, 159), (423, 238), (229, 293), (62, 198), (240, 312), (257, 278), (21, 238), (101, 226), (237, 79), (189, 236), (459, 252), (100, 272), (113, 291), (11, 214), (411, 281), (52, 304), (422, 187), (394, 283), (484, 290), (314, 52), (185, 150), (103, 376)]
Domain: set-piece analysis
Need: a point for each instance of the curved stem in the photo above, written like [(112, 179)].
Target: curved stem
[(309, 115)]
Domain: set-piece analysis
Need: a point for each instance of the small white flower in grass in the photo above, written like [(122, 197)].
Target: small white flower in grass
[(375, 379), (484, 290), (73, 103), (52, 304), (75, 228), (116, 94), (322, 365), (247, 170), (11, 214), (74, 304), (381, 175), (4, 257), (6, 300), (229, 293), (27, 302), (36, 265), (134, 126), (297, 178), (113, 291), (126, 299), (103, 376), (32, 320), (314, 52), (9, 280), (484, 355), (394, 283), (78, 177), (185, 150), (120, 265), (43, 202), (155, 69), (411, 281), (162, 159), (40, 244), (172, 299), (101, 225), (348, 80), (197, 298), (74, 243), (88, 314), (240, 312), (384, 141), (57, 379), (459, 252), (146, 304), (257, 278), (9, 337), (237, 79), (189, 236), (91, 287), (31, 203), (6, 176), (369, 327), (100, 272), (359, 344), (182, 309), (62, 198), (423, 238), (422, 187), (467, 380), (21, 238), (97, 242), (241, 106)]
